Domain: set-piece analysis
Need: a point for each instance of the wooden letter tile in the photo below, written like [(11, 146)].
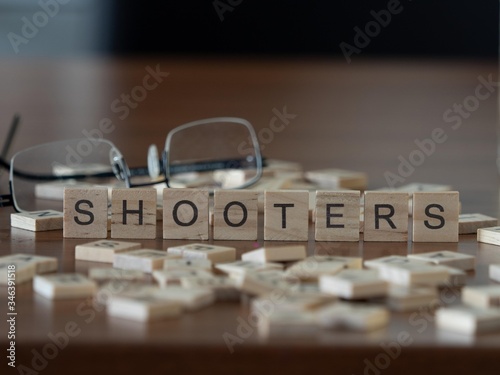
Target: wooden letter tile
[(337, 216), (185, 214), (217, 254), (42, 263), (435, 217), (24, 271), (386, 216), (64, 286), (354, 284), (85, 212), (37, 221), (145, 260), (276, 254), (489, 235), (470, 223), (484, 296), (494, 272), (103, 250), (447, 258), (468, 320), (235, 215), (133, 213), (286, 215)]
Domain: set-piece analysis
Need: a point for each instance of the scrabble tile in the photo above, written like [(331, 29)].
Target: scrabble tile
[(216, 254), (348, 262), (289, 303), (191, 299), (244, 266), (338, 178), (391, 259), (286, 215), (385, 216), (54, 190), (64, 286), (468, 320), (24, 271), (483, 296), (43, 264), (457, 278), (185, 214), (145, 260), (37, 221), (354, 284), (422, 187), (167, 277), (275, 254), (447, 258), (489, 235), (494, 272), (435, 217), (224, 288), (119, 287), (263, 282), (235, 215), (101, 274), (286, 323), (337, 216), (413, 273), (196, 263), (143, 307), (307, 289), (85, 212), (133, 213), (470, 223), (402, 298), (313, 267), (103, 250), (353, 317)]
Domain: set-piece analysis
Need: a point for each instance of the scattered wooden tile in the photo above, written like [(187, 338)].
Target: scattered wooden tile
[(313, 267), (145, 260), (43, 264), (447, 258), (489, 235), (435, 216), (286, 215), (167, 277), (494, 272), (64, 286), (224, 288), (414, 273), (143, 307), (85, 212), (289, 303), (24, 271), (354, 284), (338, 178), (402, 298), (235, 215), (457, 278), (337, 216), (133, 213), (275, 254), (103, 250), (191, 299), (37, 221), (244, 266), (216, 254), (286, 323), (482, 296), (54, 190), (196, 263), (470, 223), (391, 259), (467, 320), (102, 274), (353, 316), (263, 282), (385, 216), (185, 214)]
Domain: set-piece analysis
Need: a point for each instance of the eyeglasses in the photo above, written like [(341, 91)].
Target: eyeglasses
[(220, 152)]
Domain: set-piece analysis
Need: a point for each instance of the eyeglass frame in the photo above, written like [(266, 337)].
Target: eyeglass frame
[(123, 172)]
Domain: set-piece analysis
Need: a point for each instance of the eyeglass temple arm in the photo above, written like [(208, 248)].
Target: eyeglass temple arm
[(10, 136), (211, 166)]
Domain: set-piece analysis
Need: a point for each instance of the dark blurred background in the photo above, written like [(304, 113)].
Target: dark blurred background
[(420, 28)]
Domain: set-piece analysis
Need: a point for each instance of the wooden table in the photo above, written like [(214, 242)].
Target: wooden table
[(362, 116)]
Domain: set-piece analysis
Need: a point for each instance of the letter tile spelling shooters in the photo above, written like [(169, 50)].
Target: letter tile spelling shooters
[(235, 215), (286, 215), (85, 212), (337, 216), (185, 214), (133, 213)]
